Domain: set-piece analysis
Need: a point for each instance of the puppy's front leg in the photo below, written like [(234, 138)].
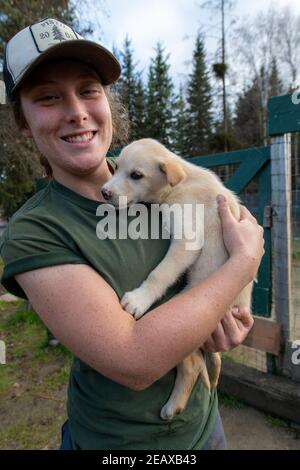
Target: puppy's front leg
[(176, 262)]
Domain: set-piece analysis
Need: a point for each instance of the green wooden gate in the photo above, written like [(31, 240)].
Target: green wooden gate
[(253, 166)]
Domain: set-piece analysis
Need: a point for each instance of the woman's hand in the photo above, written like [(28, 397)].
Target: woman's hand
[(231, 331), (243, 239)]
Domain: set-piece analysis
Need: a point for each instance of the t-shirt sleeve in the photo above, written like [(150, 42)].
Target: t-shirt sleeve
[(21, 254)]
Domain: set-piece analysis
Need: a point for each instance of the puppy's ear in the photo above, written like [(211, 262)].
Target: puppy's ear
[(173, 171)]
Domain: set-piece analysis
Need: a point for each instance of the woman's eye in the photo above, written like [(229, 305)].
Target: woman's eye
[(136, 175), (91, 92), (48, 98)]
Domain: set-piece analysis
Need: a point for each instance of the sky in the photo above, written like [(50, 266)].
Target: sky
[(174, 22)]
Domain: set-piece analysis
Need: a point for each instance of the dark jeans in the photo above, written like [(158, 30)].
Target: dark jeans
[(216, 441), (66, 443)]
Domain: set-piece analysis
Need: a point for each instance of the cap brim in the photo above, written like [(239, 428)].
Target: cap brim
[(99, 58)]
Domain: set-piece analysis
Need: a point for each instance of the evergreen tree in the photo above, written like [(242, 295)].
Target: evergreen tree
[(131, 92), (247, 124), (127, 82), (251, 107), (159, 99), (180, 125), (138, 125), (199, 103), (275, 84)]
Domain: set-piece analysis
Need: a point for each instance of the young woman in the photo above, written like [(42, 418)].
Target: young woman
[(123, 370)]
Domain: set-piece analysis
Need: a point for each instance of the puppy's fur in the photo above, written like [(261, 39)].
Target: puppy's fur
[(166, 178)]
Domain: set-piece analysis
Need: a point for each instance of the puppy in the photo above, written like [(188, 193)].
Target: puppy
[(147, 171)]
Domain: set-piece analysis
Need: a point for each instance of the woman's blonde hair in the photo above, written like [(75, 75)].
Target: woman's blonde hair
[(120, 123)]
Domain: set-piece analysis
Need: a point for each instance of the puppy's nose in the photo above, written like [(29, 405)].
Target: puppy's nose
[(106, 193)]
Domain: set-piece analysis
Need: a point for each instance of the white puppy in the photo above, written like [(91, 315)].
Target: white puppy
[(149, 172)]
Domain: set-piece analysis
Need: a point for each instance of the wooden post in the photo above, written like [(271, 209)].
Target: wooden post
[(282, 249), (2, 92)]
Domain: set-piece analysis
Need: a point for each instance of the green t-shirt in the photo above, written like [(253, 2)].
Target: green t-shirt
[(58, 226)]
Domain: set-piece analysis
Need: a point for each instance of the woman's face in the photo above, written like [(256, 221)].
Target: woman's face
[(68, 115)]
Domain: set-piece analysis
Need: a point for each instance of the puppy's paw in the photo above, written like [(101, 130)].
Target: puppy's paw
[(170, 410), (134, 302)]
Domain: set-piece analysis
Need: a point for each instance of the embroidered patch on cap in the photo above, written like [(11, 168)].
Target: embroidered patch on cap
[(50, 32)]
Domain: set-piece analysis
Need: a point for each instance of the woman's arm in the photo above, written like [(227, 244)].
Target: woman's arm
[(84, 313)]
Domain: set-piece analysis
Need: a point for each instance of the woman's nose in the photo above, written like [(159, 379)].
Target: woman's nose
[(77, 112)]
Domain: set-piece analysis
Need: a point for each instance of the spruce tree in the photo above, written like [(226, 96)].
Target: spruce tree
[(247, 123), (275, 84), (199, 103), (251, 112), (138, 125), (159, 99), (127, 82), (180, 135), (131, 91)]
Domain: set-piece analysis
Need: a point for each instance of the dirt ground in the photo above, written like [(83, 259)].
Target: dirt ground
[(33, 385), (250, 429)]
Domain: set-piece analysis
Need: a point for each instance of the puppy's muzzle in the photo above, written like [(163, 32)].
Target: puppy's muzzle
[(107, 194)]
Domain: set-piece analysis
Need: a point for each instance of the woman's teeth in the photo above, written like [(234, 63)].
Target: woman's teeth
[(80, 138)]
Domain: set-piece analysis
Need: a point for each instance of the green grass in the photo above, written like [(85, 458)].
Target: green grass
[(296, 249), (29, 435), (33, 381), (275, 422), (7, 376), (22, 317), (230, 401), (26, 342)]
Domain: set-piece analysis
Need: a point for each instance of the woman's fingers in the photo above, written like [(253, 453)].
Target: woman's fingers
[(231, 331), (243, 317), (224, 210), (218, 336)]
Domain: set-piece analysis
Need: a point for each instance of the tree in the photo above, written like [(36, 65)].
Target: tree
[(127, 81), (275, 84), (220, 68), (131, 92), (251, 115), (272, 37), (248, 127), (159, 99), (19, 165), (288, 42), (199, 103), (138, 126), (180, 134)]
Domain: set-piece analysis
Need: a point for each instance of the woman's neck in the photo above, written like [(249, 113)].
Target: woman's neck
[(88, 185)]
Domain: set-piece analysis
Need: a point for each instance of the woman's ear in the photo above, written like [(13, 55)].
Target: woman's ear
[(173, 171), (25, 131)]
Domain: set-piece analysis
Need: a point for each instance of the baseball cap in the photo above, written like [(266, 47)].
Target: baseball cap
[(52, 39)]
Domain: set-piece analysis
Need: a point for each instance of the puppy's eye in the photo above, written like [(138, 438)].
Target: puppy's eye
[(136, 175)]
